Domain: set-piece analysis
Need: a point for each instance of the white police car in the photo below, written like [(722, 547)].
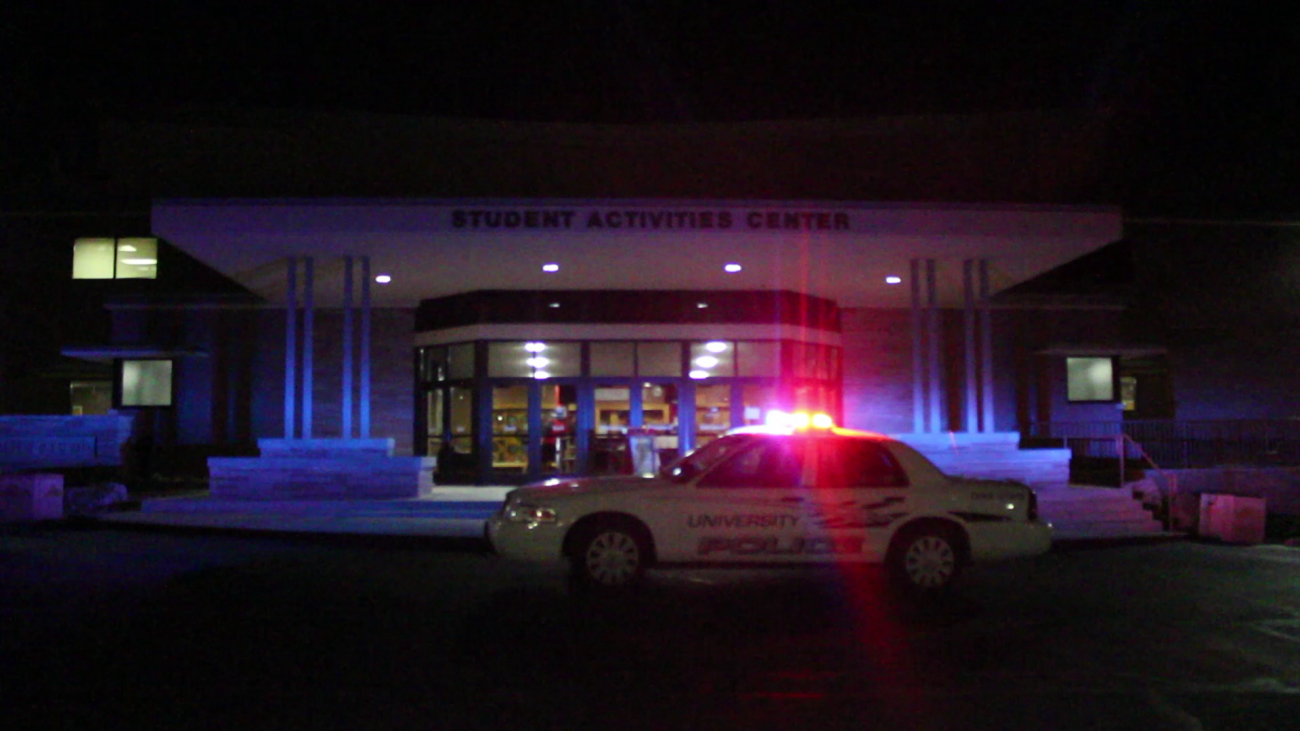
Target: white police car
[(775, 495)]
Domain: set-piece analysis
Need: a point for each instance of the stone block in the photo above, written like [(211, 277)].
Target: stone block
[(31, 497), (317, 478), (326, 448), (1232, 518)]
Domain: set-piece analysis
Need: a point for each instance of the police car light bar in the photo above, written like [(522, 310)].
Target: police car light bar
[(798, 420)]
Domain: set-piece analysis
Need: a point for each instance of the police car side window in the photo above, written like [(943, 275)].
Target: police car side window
[(858, 463), (771, 463)]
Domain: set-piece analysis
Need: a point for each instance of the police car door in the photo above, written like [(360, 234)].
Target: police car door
[(749, 508), (857, 493)]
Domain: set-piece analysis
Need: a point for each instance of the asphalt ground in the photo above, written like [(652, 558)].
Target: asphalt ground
[(108, 626)]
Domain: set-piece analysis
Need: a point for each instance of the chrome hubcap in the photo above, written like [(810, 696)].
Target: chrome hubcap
[(612, 558), (930, 561)]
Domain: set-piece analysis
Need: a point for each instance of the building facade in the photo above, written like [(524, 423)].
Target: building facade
[(522, 338)]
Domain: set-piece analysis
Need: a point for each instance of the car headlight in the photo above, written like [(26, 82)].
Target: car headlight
[(528, 513)]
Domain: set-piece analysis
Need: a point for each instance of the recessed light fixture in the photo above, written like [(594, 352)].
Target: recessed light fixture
[(554, 305), (702, 305), (893, 279), (699, 375), (715, 346), (706, 361), (541, 375), (551, 267), (732, 268), (534, 347), (538, 362), (383, 279), (126, 247)]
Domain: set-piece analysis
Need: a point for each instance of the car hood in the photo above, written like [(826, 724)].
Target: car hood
[(560, 489)]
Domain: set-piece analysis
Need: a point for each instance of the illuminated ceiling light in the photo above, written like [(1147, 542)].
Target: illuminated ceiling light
[(554, 305), (699, 375), (383, 279), (893, 279), (706, 361), (716, 346), (534, 347), (551, 267), (541, 375), (538, 362), (127, 247), (822, 421), (140, 262), (732, 268), (702, 305)]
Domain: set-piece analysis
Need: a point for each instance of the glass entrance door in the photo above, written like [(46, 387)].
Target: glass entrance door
[(655, 441)]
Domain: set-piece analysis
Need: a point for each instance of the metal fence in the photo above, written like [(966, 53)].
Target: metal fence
[(1175, 444)]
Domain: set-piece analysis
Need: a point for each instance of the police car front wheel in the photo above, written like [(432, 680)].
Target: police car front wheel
[(927, 560), (610, 555)]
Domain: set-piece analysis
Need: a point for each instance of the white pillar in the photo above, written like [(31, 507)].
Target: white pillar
[(918, 353), (986, 344), (308, 330), (365, 347), (936, 378), (971, 405), (290, 346), (347, 347)]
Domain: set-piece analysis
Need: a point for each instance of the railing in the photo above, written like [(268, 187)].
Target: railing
[(1167, 483), (1180, 444)]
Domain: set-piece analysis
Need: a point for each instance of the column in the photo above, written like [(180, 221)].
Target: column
[(365, 347), (918, 354), (936, 377), (347, 347), (986, 345), (970, 407), (290, 347), (308, 331)]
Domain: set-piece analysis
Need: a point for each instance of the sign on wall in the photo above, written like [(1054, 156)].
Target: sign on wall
[(642, 219)]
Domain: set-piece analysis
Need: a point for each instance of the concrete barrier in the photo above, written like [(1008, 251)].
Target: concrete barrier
[(31, 497), (321, 469)]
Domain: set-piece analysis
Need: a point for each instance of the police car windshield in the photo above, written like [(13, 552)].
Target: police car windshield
[(704, 458)]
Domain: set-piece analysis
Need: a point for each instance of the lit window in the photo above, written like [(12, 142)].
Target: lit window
[(713, 359), (104, 258), (146, 383), (137, 258), (534, 360), (1090, 379), (92, 259)]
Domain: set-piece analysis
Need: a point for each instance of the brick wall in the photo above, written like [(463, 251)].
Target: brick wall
[(877, 369)]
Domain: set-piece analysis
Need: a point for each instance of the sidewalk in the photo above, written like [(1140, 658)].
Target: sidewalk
[(450, 512)]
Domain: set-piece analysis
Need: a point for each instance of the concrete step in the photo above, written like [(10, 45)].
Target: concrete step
[(1096, 512)]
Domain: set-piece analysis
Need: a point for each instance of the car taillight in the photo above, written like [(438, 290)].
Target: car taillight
[(1033, 506)]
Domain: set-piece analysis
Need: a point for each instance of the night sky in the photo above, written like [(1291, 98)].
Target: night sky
[(1204, 95)]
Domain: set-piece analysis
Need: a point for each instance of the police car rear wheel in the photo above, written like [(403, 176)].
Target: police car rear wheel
[(927, 560), (611, 556)]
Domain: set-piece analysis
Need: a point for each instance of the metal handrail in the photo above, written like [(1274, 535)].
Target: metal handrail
[(1188, 443), (1167, 491)]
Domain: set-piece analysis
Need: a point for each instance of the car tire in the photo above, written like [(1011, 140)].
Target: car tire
[(926, 560), (610, 555)]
